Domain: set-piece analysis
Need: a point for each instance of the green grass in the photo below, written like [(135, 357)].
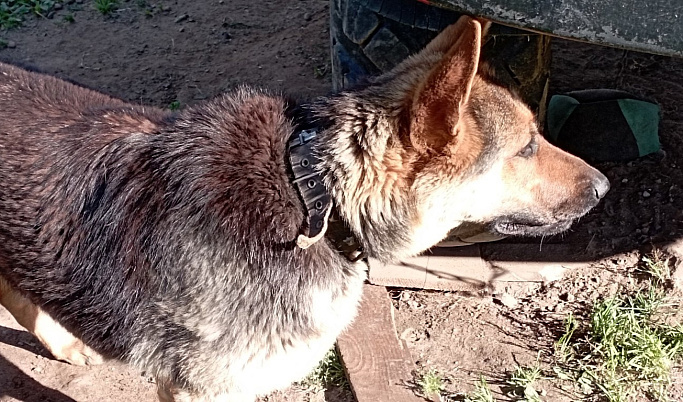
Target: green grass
[(628, 349), (13, 12), (106, 7), (42, 7), (657, 267), (482, 392), (563, 347), (524, 379), (430, 382), (621, 350), (330, 372), (634, 353)]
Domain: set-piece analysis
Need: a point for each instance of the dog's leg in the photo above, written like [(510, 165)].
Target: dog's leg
[(60, 342), (168, 393)]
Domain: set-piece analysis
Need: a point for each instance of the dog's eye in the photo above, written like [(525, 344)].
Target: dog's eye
[(529, 150)]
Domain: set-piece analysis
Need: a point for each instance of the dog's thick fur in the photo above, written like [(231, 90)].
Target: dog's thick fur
[(169, 241)]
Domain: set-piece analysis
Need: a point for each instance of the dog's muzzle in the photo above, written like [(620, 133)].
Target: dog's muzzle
[(527, 224)]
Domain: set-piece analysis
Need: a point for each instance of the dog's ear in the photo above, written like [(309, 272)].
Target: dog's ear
[(438, 101)]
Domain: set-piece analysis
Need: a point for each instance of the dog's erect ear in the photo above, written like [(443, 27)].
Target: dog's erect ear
[(438, 101)]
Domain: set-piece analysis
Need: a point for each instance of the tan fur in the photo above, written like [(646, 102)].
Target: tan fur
[(423, 150), (56, 339), (437, 105), (419, 115), (122, 122), (434, 117)]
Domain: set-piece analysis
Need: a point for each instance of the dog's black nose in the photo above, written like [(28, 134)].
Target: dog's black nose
[(601, 185)]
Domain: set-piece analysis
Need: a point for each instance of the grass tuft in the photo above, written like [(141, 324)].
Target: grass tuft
[(175, 105), (628, 350), (524, 379), (482, 392), (657, 267), (563, 347), (431, 382), (330, 372), (13, 12), (106, 7)]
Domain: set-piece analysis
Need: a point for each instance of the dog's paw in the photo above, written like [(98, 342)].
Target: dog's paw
[(62, 344), (78, 354)]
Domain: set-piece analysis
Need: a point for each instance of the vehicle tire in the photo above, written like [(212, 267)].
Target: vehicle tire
[(369, 37)]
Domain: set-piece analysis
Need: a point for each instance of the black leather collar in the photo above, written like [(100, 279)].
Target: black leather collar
[(322, 219)]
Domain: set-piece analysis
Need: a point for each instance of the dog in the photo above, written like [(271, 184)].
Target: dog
[(222, 248)]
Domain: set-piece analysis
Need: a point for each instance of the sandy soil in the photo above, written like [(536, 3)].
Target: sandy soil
[(166, 51), (489, 334), (150, 53)]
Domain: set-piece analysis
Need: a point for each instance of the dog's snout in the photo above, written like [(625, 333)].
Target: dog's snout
[(600, 185)]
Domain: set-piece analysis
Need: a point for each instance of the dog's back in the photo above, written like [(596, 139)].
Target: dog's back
[(158, 234)]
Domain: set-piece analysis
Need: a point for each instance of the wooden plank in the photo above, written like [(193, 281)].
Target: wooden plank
[(377, 362), (532, 262), (478, 267), (442, 268)]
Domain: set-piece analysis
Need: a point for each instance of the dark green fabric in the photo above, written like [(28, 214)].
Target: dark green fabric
[(643, 118), (598, 132), (559, 110), (603, 125)]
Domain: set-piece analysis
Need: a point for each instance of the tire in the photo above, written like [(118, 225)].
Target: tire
[(369, 37)]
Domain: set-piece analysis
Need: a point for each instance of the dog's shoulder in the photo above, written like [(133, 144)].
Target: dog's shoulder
[(237, 142)]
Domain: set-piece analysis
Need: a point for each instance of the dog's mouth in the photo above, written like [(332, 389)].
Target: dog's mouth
[(508, 227)]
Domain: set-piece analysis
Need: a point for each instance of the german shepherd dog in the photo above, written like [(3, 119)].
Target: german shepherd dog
[(221, 248)]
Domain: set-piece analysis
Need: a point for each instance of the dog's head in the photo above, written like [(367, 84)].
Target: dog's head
[(485, 160), (464, 150)]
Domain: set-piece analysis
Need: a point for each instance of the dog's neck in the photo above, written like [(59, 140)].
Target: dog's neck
[(365, 171), (322, 218)]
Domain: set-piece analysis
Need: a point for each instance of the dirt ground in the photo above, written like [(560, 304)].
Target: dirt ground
[(163, 52)]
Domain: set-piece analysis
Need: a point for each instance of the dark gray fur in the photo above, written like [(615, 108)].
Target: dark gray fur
[(127, 236)]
